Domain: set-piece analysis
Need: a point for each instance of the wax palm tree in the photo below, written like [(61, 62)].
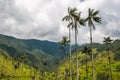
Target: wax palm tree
[(108, 42), (86, 50), (92, 17), (76, 23), (69, 18)]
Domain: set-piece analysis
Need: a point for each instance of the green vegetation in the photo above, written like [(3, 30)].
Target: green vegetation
[(14, 69), (101, 64), (86, 50), (10, 69)]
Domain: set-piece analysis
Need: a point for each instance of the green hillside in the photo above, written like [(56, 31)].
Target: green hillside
[(15, 69), (40, 54), (11, 69), (101, 67)]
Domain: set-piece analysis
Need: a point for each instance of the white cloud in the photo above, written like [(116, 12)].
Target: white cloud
[(42, 19)]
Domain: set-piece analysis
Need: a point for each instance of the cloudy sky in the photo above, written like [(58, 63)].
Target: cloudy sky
[(42, 19)]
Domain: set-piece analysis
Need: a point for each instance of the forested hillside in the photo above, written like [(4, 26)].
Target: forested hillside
[(14, 68), (101, 66), (40, 54)]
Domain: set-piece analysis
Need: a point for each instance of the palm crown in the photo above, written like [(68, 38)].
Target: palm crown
[(71, 12), (92, 16), (74, 17), (86, 50), (77, 21), (64, 41), (107, 40)]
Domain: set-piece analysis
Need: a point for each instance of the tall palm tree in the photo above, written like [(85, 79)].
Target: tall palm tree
[(92, 17), (76, 22), (69, 18), (108, 42), (86, 50)]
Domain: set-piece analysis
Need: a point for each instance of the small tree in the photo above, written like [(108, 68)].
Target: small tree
[(86, 50), (108, 42), (63, 44)]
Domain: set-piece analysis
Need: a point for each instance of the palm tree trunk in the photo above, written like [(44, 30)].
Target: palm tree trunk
[(77, 74), (86, 68), (64, 63), (70, 53), (110, 65), (91, 52)]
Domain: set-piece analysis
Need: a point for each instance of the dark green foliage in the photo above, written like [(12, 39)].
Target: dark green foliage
[(118, 67), (102, 76)]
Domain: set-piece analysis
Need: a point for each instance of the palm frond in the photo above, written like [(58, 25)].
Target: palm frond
[(93, 26), (82, 22), (92, 16), (97, 19), (90, 11), (95, 13), (69, 10), (74, 9), (70, 24)]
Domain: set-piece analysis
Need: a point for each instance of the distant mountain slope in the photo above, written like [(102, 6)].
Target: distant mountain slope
[(100, 47), (41, 54), (30, 44)]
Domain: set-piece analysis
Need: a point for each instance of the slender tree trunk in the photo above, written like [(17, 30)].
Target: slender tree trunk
[(110, 65), (91, 52), (86, 68), (70, 53), (77, 73), (64, 63)]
